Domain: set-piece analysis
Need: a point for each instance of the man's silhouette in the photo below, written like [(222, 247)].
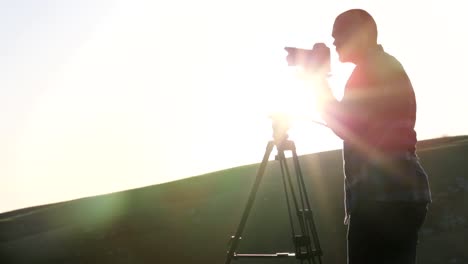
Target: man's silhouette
[(386, 189)]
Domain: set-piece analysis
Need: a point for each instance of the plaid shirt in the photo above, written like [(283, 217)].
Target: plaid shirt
[(376, 119), (395, 178)]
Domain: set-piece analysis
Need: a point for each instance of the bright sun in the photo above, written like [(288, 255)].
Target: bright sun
[(293, 96)]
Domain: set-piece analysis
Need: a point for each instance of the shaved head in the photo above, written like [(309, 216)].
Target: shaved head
[(355, 21), (354, 31)]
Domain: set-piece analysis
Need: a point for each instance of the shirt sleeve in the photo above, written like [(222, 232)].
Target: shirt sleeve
[(347, 117), (378, 97)]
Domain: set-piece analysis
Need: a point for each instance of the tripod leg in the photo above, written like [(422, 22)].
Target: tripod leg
[(286, 179), (248, 207), (308, 209), (300, 241)]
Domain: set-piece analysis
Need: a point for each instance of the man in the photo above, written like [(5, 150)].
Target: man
[(386, 189)]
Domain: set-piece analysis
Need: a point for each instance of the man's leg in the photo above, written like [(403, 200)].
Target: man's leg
[(359, 240), (385, 233)]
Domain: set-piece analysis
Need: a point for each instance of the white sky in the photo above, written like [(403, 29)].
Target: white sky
[(102, 96)]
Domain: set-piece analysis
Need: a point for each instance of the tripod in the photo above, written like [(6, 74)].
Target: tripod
[(306, 242)]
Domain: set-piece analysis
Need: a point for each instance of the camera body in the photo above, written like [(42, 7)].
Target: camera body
[(315, 60)]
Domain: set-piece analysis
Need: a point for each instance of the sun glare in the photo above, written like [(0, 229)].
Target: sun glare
[(292, 95), (132, 104)]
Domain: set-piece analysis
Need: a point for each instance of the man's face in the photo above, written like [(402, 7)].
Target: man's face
[(348, 41), (339, 43), (344, 44)]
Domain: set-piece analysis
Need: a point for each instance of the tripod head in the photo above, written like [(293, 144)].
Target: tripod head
[(280, 124)]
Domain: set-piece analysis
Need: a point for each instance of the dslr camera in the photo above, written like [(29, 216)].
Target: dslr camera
[(313, 60)]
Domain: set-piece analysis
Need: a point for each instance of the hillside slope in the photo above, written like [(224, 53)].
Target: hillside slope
[(191, 220)]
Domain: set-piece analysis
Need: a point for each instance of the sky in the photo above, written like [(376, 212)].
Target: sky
[(99, 96)]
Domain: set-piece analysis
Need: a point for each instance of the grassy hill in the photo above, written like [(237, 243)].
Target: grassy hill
[(191, 220)]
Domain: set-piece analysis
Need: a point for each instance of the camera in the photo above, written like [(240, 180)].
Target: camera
[(316, 59)]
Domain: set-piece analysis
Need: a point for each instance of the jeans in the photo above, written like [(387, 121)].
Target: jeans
[(385, 232)]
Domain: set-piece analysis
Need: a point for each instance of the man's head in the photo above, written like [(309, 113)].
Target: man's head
[(354, 33)]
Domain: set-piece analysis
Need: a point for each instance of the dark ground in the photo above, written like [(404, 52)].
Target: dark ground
[(191, 220)]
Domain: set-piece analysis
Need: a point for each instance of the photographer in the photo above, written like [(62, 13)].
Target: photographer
[(386, 189)]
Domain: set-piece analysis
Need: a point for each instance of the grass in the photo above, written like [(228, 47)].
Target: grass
[(191, 220)]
